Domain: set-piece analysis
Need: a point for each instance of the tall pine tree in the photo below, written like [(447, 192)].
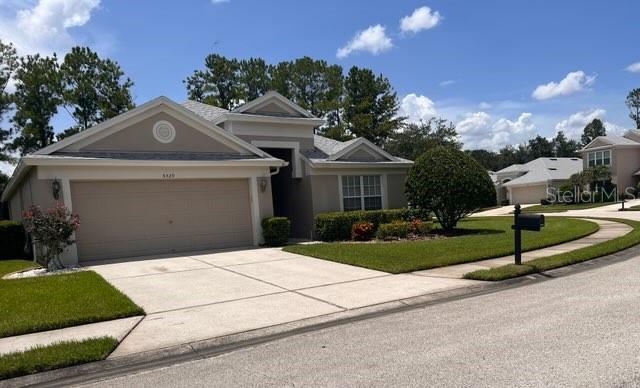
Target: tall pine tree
[(37, 97)]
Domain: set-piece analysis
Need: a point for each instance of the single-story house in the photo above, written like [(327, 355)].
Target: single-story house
[(529, 182), (167, 177), (620, 153)]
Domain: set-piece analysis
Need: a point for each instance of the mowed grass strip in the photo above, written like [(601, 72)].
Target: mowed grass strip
[(56, 301), (58, 355), (563, 259), (481, 238)]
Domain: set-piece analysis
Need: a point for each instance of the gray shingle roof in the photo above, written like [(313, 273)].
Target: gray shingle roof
[(542, 170), (206, 111), (325, 147), (614, 139), (330, 146)]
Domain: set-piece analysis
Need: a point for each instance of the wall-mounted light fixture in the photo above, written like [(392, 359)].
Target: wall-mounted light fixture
[(55, 186), (262, 183)]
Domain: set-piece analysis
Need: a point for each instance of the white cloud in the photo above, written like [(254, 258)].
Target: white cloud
[(573, 125), (421, 19), (634, 67), (480, 130), (7, 168), (374, 40), (447, 83), (417, 108), (44, 27), (573, 82)]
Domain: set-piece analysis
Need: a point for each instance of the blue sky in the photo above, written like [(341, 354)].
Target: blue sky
[(503, 70)]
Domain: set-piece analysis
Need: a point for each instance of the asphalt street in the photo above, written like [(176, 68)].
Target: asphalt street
[(578, 330)]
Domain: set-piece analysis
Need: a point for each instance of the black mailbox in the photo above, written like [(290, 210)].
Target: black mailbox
[(524, 222), (530, 221)]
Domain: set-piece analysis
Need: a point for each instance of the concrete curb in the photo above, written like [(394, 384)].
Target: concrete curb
[(100, 370)]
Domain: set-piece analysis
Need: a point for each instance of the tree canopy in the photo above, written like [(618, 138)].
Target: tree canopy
[(633, 103), (90, 88), (360, 103), (8, 65), (592, 130), (417, 138), (37, 98), (450, 183), (93, 88)]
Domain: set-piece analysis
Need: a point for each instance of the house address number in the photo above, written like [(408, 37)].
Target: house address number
[(168, 175)]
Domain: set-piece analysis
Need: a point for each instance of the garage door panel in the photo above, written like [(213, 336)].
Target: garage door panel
[(149, 217)]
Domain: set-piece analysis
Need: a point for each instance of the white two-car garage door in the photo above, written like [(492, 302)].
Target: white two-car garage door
[(135, 218)]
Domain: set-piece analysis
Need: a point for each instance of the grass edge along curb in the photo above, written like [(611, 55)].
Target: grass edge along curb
[(563, 259), (54, 356)]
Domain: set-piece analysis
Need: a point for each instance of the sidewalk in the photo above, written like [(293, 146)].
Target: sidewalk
[(608, 230), (299, 289)]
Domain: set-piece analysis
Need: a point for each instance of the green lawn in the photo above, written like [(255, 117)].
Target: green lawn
[(556, 208), (53, 302), (59, 355), (546, 263), (9, 266), (485, 238)]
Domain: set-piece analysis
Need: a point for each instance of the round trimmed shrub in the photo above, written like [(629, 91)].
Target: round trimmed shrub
[(276, 231), (449, 183)]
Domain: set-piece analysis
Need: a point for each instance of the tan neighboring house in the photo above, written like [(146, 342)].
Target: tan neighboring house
[(528, 183), (167, 177), (620, 153)]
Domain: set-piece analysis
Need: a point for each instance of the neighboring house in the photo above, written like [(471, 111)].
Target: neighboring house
[(620, 153), (528, 183), (167, 177)]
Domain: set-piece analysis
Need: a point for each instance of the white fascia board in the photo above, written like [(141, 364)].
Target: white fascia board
[(316, 164), (74, 161), (247, 117), (19, 172)]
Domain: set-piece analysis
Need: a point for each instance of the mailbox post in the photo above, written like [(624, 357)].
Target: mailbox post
[(517, 234), (524, 222)]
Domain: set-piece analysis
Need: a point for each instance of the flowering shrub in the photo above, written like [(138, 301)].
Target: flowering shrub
[(419, 228), (362, 231), (52, 230)]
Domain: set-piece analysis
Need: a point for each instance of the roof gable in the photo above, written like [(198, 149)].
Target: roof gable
[(97, 135), (360, 145), (273, 104)]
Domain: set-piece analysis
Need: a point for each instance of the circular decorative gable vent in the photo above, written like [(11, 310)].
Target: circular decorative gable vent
[(164, 132)]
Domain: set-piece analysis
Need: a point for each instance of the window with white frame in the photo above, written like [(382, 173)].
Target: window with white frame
[(361, 192), (599, 158)]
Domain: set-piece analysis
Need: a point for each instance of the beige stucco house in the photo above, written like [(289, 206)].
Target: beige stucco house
[(529, 182), (620, 153), (167, 177)]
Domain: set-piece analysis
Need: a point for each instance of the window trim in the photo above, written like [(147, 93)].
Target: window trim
[(383, 189), (597, 158)]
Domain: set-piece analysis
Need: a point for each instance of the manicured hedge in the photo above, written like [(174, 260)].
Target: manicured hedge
[(334, 226), (276, 231), (12, 240)]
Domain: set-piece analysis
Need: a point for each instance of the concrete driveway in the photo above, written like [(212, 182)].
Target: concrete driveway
[(206, 295)]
